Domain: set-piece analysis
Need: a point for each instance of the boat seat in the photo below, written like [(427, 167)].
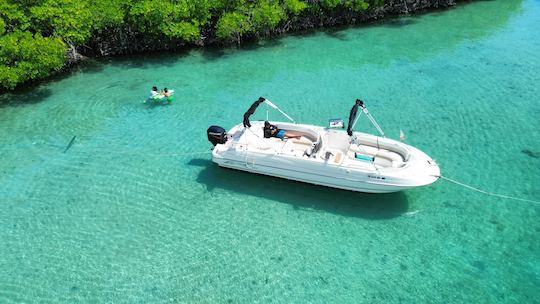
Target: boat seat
[(291, 148), (303, 140), (390, 155), (382, 162), (274, 139), (302, 146)]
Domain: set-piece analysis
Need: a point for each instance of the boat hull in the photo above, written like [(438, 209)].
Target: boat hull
[(333, 164), (340, 178)]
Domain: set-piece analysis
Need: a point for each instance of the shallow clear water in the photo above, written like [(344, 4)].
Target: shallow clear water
[(126, 216)]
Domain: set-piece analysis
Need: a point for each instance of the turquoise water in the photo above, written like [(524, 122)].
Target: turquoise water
[(128, 215)]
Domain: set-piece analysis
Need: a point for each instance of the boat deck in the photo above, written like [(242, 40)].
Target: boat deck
[(322, 145)]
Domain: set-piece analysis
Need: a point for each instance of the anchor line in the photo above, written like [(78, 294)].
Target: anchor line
[(486, 192)]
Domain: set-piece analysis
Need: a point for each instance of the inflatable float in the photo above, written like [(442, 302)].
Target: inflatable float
[(161, 97)]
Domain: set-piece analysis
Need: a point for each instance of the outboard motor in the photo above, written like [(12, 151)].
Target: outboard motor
[(216, 135)]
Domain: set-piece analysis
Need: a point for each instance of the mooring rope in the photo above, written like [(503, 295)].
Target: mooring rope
[(487, 192)]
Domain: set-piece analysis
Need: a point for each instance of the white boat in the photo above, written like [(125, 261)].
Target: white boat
[(322, 155)]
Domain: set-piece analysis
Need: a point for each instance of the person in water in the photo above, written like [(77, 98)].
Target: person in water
[(166, 93), (272, 131), (154, 92)]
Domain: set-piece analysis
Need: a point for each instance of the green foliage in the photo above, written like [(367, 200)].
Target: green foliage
[(260, 17), (172, 19), (24, 56), (108, 13), (356, 5), (266, 16), (34, 34), (2, 26), (231, 26), (294, 6), (13, 16), (70, 19), (330, 4)]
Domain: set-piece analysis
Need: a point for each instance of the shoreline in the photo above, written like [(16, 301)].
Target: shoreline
[(303, 24), (129, 43)]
